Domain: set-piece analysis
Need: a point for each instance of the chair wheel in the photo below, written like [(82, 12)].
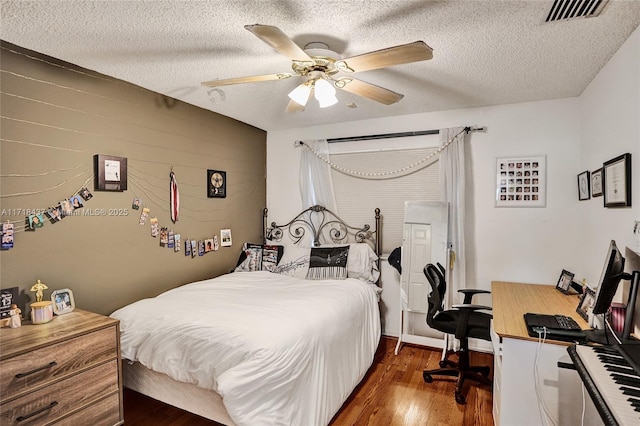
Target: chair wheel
[(427, 377), (460, 398), (443, 363), (485, 372)]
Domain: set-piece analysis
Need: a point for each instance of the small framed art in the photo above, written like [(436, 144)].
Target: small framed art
[(63, 302), (586, 302), (584, 186), (8, 296), (110, 173), (216, 184), (564, 282), (616, 175), (596, 183), (521, 182)]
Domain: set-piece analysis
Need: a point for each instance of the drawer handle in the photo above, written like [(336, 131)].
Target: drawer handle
[(44, 367), (48, 407)]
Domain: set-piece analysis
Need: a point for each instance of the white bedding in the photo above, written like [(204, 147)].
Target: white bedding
[(278, 349)]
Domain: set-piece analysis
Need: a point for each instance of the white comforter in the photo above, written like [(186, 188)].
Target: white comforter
[(278, 349)]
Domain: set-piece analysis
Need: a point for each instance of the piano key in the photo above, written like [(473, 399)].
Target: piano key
[(626, 380), (595, 361), (622, 370), (631, 392)]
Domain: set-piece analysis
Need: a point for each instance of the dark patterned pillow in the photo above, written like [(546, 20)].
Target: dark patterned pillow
[(258, 257), (327, 263)]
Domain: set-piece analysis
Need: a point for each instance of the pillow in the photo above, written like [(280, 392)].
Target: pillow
[(258, 257), (328, 263), (362, 263), (294, 262)]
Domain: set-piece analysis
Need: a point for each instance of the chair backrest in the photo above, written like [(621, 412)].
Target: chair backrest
[(438, 289)]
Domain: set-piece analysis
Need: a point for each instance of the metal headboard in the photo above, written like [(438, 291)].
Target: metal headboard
[(324, 227)]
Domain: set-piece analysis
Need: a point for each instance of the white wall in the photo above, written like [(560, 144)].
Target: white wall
[(527, 245), (515, 244), (609, 127)]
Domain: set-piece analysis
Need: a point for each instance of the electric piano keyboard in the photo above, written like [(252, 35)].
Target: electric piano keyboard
[(613, 382)]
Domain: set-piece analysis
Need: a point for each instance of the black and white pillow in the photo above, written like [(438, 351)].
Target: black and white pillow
[(327, 263), (259, 257)]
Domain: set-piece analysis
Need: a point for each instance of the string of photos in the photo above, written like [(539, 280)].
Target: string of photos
[(37, 218), (110, 175), (173, 240)]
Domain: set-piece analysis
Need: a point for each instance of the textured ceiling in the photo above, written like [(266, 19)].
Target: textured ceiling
[(485, 52)]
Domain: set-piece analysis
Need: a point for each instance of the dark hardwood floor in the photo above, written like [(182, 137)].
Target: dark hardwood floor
[(392, 393)]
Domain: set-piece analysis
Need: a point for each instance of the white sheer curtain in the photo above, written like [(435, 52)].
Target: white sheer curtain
[(316, 184), (452, 186)]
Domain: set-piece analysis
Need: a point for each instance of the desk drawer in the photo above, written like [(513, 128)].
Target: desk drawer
[(74, 393), (22, 374)]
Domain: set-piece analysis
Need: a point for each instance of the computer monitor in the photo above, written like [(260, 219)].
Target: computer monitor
[(609, 279), (632, 317), (612, 273)]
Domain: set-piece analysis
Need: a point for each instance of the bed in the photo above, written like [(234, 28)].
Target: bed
[(282, 340)]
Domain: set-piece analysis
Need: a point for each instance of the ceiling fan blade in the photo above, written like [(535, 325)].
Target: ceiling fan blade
[(252, 79), (275, 38), (403, 54), (369, 91), (294, 107)]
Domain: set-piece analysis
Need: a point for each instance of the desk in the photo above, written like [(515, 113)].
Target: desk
[(526, 375)]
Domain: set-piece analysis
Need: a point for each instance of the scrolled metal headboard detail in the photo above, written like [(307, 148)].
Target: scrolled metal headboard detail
[(324, 227)]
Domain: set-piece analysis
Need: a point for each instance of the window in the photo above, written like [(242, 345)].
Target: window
[(358, 197)]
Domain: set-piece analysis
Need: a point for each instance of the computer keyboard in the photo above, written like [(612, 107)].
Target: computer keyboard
[(566, 323)]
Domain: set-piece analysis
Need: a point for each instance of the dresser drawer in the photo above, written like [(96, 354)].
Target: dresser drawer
[(105, 412), (78, 392), (24, 373)]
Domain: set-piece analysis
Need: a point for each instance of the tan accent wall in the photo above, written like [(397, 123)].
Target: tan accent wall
[(55, 118)]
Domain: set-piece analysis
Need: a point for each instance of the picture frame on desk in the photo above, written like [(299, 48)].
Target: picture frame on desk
[(586, 302), (564, 282)]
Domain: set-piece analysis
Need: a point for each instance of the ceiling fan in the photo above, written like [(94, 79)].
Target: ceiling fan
[(324, 70)]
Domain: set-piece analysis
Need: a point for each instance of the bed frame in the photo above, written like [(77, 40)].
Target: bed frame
[(319, 223)]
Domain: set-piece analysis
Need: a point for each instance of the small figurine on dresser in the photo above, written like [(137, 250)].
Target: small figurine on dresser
[(15, 320), (38, 287)]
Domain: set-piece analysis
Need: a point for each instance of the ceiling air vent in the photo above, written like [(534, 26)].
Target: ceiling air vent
[(562, 10)]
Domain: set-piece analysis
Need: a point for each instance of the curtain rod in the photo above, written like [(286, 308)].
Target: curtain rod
[(393, 135)]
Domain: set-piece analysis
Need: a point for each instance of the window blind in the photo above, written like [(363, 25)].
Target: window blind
[(357, 197)]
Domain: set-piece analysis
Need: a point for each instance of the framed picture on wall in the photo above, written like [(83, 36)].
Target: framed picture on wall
[(521, 181), (596, 183), (216, 184), (110, 173), (616, 175), (584, 186)]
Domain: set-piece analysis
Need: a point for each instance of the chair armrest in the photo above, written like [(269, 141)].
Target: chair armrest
[(470, 292), (471, 307)]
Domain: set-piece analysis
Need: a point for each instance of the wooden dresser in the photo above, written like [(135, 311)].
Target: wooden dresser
[(65, 372)]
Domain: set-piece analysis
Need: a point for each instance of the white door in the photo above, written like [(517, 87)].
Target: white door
[(419, 255)]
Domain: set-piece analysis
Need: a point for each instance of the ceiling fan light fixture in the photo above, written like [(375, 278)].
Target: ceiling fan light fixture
[(301, 94), (325, 93)]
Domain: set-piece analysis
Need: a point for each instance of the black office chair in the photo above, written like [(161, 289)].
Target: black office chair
[(464, 322)]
